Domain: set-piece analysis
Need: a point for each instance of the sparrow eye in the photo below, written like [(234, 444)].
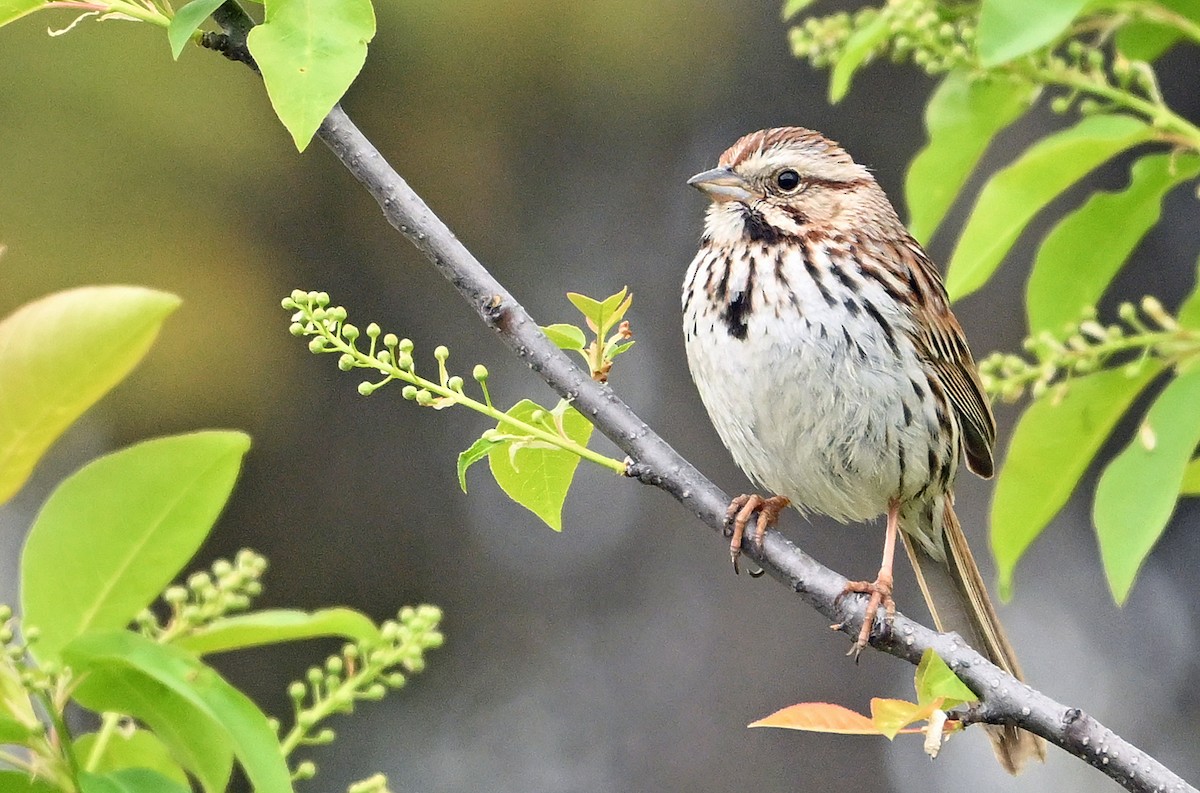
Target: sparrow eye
[(787, 179)]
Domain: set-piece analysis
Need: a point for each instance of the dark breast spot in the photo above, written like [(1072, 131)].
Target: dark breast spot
[(758, 229), (735, 315)]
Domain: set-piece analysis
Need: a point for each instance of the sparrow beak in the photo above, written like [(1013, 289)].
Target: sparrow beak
[(722, 184)]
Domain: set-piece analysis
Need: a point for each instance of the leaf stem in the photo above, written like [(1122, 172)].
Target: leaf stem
[(1159, 115), (1175, 347), (138, 11), (108, 727)]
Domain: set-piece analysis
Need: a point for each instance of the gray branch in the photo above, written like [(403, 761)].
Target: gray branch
[(1004, 699)]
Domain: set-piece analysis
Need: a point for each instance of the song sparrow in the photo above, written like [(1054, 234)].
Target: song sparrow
[(821, 340)]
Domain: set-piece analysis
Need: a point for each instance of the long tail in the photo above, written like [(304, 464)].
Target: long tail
[(958, 601)]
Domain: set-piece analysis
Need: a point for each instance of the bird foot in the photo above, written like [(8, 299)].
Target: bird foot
[(880, 591), (738, 516)]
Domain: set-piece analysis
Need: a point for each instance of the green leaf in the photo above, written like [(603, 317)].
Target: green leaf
[(116, 532), (613, 350), (793, 7), (309, 52), (1138, 490), (1080, 257), (934, 679), (17, 782), (187, 21), (137, 749), (612, 310), (602, 315), (1015, 194), (272, 626), (139, 665), (858, 48), (193, 738), (1009, 28), (477, 451), (566, 337), (11, 10), (48, 383), (1145, 41), (1142, 40), (589, 307), (533, 473), (129, 780), (891, 716), (1191, 479), (1052, 445), (1189, 310), (962, 117)]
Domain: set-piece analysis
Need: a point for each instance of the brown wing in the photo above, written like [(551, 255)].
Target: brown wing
[(940, 340)]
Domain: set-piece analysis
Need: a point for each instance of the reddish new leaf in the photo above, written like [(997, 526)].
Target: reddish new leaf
[(819, 717)]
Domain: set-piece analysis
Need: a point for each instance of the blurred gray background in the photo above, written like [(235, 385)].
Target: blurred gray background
[(555, 139)]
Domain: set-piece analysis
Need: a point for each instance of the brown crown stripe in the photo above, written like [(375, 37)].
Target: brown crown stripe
[(756, 142)]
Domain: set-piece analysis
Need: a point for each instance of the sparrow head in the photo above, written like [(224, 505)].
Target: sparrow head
[(783, 182)]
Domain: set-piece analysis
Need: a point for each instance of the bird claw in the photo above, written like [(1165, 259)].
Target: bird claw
[(738, 516), (880, 592)]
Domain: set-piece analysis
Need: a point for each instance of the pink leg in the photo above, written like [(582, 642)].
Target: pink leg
[(739, 513), (880, 589)]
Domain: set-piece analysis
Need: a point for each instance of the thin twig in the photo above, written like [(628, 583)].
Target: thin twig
[(1005, 700)]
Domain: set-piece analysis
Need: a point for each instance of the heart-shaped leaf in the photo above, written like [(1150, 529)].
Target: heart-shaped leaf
[(535, 474), (309, 52)]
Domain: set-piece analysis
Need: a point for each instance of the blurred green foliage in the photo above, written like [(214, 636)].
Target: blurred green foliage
[(106, 544)]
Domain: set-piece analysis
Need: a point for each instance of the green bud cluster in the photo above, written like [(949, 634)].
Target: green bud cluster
[(21, 680), (940, 37), (33, 697), (922, 32), (388, 354), (1098, 78), (228, 587), (1144, 331), (361, 671), (820, 40)]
